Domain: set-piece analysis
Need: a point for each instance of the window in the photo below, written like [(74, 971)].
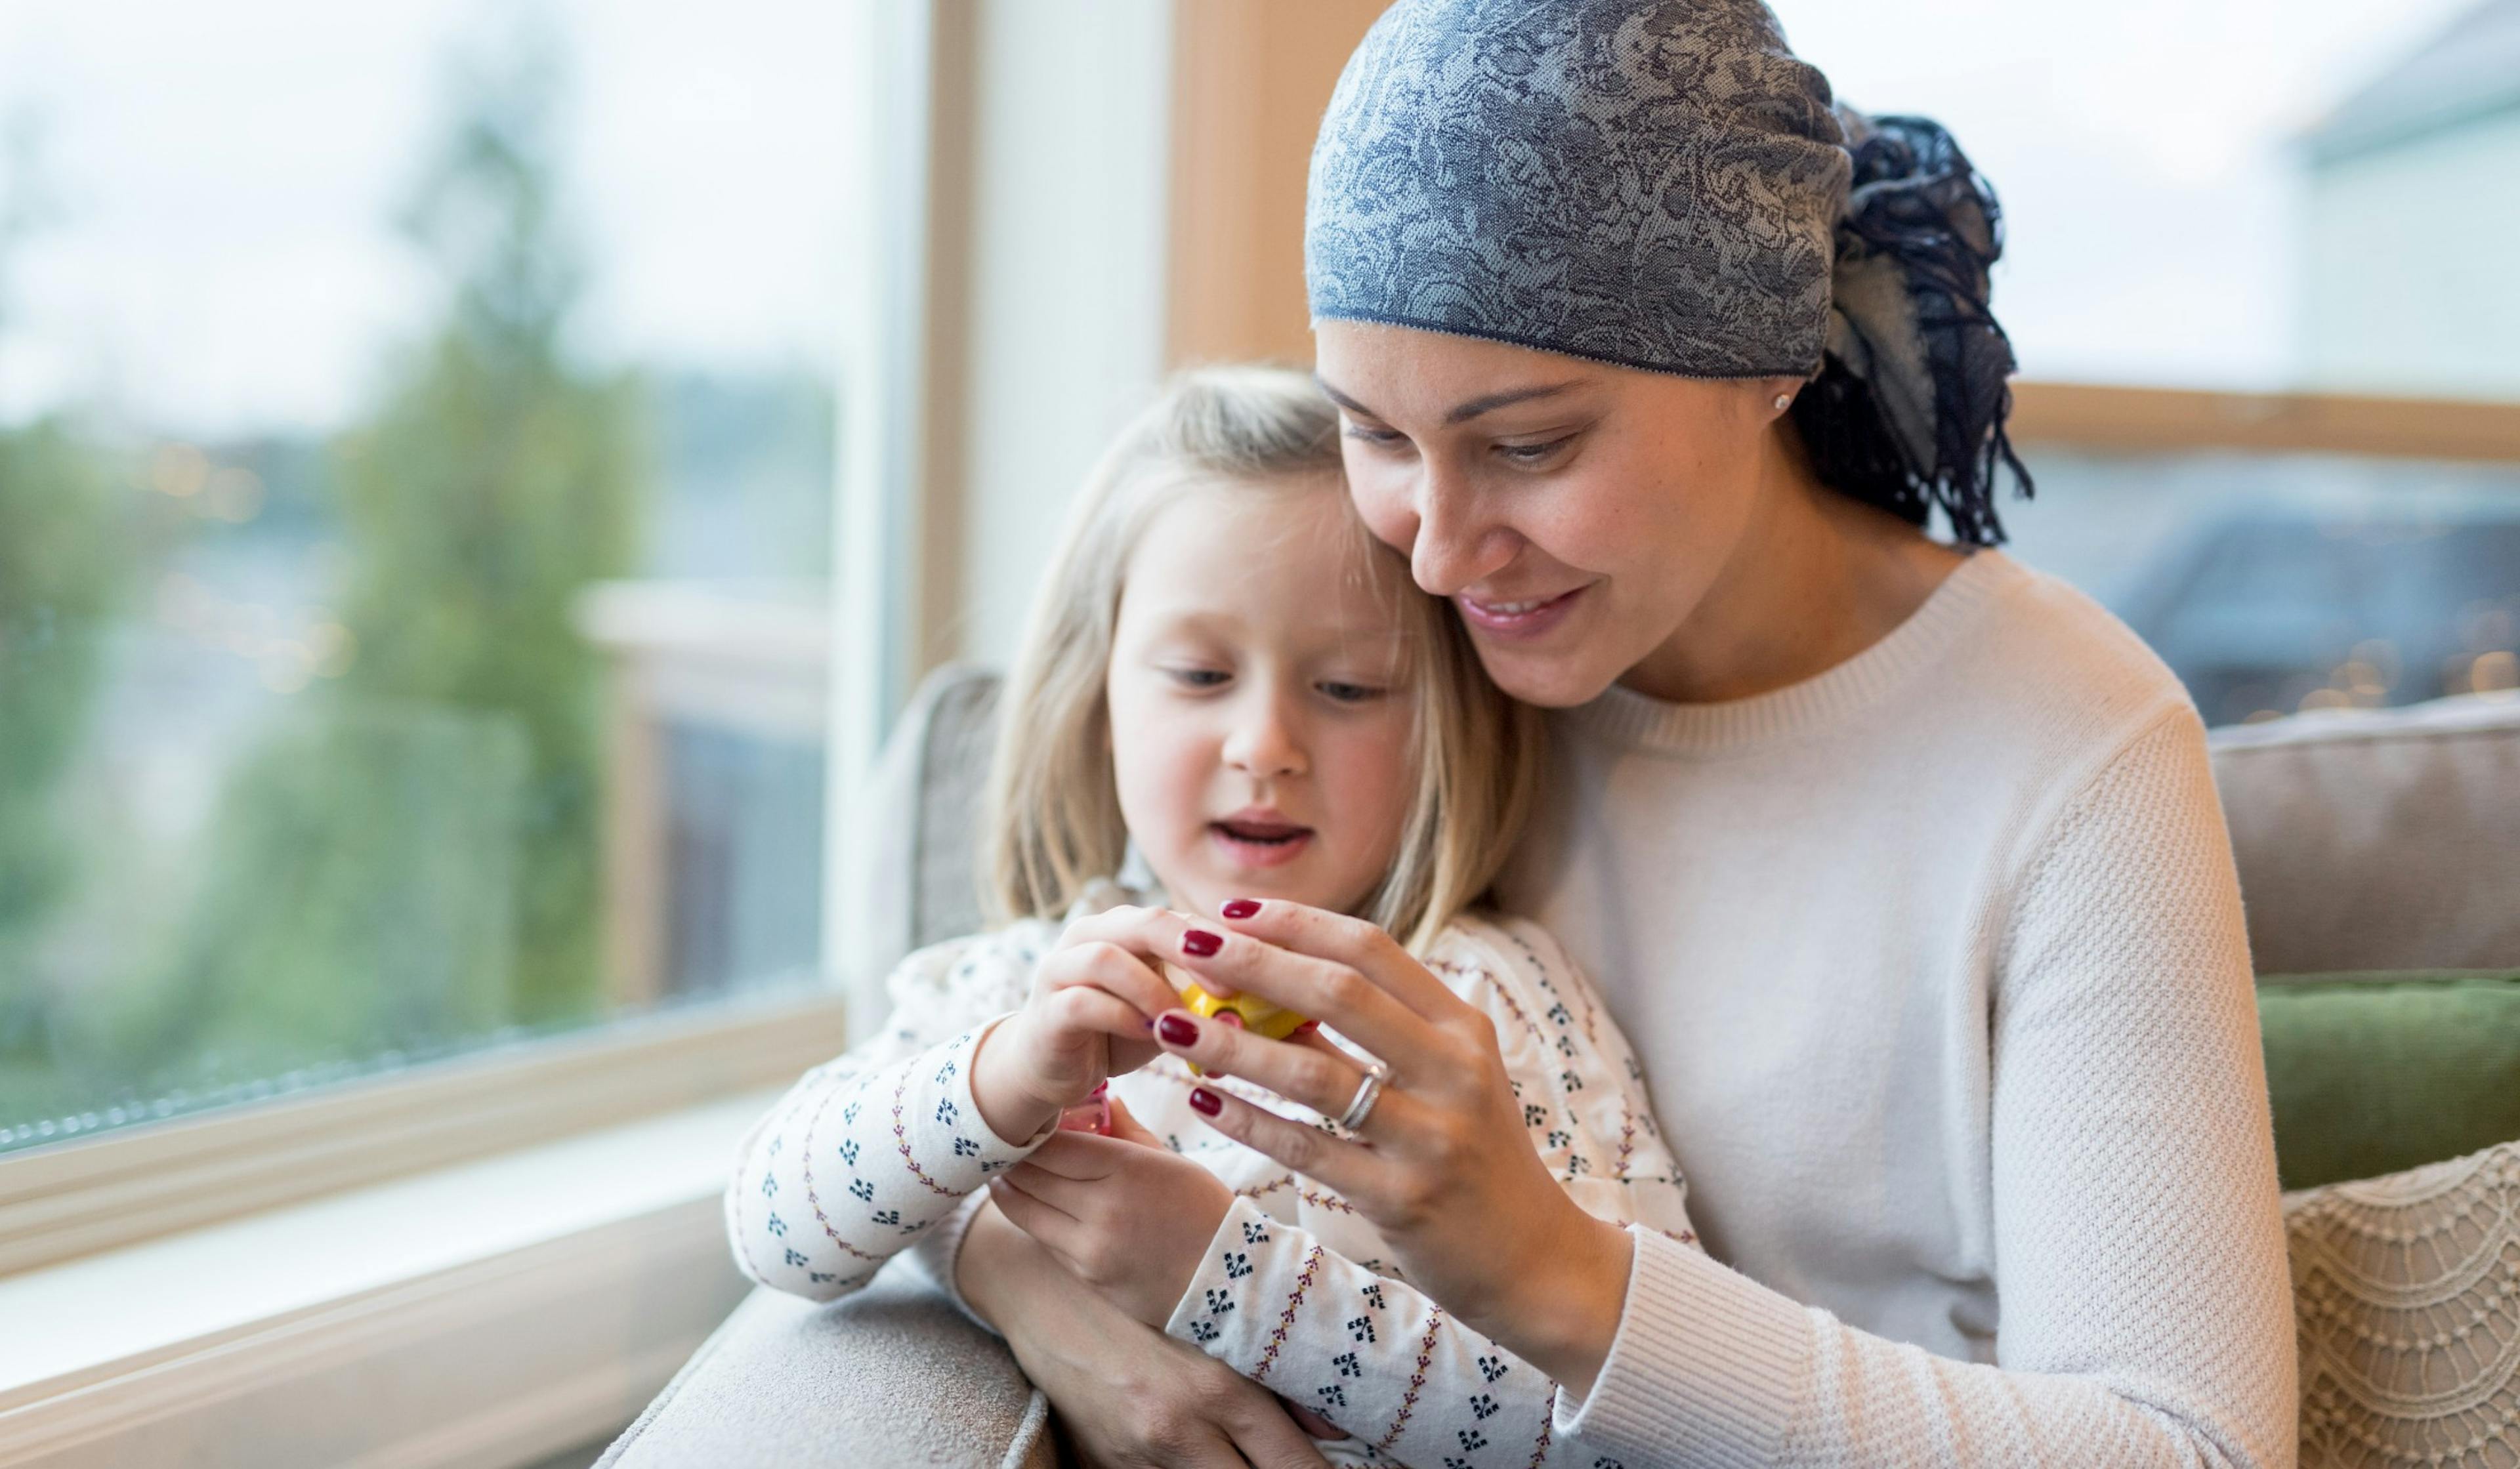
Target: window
[(417, 451), (2227, 198)]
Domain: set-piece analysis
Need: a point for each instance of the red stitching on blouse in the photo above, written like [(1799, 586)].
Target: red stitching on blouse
[(1417, 1380), (1317, 1199), (815, 1199), (901, 1139), (1286, 1317), (1548, 1422)]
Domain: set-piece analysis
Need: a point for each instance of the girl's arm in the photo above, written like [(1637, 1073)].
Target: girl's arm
[(867, 1153), (871, 1151)]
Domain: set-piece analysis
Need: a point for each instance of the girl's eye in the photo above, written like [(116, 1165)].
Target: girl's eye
[(1348, 694), (1381, 438), (1200, 678)]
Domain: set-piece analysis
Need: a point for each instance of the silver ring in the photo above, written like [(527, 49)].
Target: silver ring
[(1368, 1091)]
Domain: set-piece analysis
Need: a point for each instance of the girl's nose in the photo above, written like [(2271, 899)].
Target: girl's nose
[(1264, 745)]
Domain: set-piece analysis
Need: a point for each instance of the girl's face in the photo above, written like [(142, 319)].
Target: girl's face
[(1260, 723), (1575, 513)]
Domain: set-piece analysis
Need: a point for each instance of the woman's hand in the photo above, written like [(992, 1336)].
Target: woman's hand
[(1129, 1397), (1441, 1165), (1125, 1214), (1087, 1019)]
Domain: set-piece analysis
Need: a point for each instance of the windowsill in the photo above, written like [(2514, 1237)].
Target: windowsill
[(410, 1282)]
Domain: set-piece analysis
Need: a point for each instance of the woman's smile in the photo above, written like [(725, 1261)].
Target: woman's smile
[(1524, 618)]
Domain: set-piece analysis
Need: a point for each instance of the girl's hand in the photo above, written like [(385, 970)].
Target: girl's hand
[(1087, 1018), (1129, 1398), (1441, 1165), (1125, 1214)]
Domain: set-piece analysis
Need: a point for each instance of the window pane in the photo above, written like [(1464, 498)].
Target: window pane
[(2277, 584), (415, 459), (2224, 193)]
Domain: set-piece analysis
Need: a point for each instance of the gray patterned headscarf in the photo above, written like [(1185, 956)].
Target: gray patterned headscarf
[(1666, 186)]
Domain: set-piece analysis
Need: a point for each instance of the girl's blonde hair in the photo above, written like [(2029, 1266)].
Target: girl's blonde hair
[(1054, 819)]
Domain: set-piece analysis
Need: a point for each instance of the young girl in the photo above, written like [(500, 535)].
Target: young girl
[(1229, 693)]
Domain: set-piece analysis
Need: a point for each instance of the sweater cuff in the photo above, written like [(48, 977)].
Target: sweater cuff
[(1706, 1369)]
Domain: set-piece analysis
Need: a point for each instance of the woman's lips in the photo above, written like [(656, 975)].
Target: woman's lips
[(1530, 617), (1261, 844)]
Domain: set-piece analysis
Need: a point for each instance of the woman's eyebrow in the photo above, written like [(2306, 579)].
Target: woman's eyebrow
[(1461, 413)]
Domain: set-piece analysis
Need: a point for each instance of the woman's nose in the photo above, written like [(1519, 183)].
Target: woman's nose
[(1264, 745), (1457, 544)]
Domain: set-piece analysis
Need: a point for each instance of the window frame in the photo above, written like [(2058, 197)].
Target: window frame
[(142, 1181), (65, 1200), (2133, 420)]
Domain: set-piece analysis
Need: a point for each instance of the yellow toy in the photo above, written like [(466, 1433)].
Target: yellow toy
[(1249, 1012)]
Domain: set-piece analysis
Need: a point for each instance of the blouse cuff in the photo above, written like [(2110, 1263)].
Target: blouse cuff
[(1707, 1366), (1208, 1316)]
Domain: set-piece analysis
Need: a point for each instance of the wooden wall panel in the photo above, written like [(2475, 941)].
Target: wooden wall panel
[(1250, 81)]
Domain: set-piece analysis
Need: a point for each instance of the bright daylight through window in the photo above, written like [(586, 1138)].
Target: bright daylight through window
[(2289, 199), (416, 465)]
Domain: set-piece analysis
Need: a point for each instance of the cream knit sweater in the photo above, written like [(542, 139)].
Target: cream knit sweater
[(1936, 966)]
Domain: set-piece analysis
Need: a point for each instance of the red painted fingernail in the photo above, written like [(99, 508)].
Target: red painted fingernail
[(1177, 1030), (1240, 908), (1198, 943), (1204, 1103)]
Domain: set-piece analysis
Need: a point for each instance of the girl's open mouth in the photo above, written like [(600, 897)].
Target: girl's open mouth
[(1260, 843)]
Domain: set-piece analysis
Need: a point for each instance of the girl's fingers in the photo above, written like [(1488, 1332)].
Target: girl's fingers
[(1324, 1082), (1054, 1228), (1334, 993), (1350, 943), (1312, 1422), (1346, 1167), (1126, 1127), (1149, 934), (1068, 1196), (1075, 1155), (1083, 1008), (1268, 1436), (1109, 967)]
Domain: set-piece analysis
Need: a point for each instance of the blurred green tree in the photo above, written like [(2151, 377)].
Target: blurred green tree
[(412, 857), (64, 566), (498, 479)]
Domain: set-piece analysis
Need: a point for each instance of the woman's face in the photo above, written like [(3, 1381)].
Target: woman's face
[(1575, 513), (1260, 698)]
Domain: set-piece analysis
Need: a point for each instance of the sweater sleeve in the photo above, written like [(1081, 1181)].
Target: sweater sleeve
[(869, 1153), (2146, 1310)]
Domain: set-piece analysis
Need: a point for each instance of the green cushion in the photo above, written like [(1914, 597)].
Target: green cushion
[(2374, 1073)]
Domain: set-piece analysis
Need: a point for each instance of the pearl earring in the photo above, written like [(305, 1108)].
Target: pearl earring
[(1785, 401)]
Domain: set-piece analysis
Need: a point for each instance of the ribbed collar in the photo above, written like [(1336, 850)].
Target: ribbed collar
[(1624, 717)]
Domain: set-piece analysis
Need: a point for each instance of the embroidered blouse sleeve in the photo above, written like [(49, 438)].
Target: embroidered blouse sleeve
[(1370, 1355), (1374, 1356), (869, 1152)]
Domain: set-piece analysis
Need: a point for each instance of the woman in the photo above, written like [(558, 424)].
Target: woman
[(1901, 864)]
